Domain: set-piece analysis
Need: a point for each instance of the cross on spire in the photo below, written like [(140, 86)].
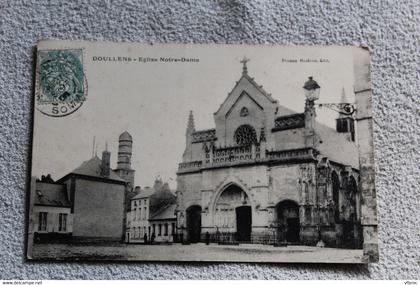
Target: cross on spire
[(244, 67)]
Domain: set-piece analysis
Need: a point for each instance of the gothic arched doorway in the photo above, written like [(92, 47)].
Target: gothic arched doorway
[(288, 224), (194, 223), (233, 215)]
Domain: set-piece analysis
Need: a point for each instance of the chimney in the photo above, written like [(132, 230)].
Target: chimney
[(106, 158)]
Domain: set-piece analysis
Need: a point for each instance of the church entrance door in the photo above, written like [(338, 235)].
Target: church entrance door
[(194, 224), (293, 228), (233, 215), (243, 223), (288, 223)]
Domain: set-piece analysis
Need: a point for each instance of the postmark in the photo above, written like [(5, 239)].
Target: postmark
[(61, 86)]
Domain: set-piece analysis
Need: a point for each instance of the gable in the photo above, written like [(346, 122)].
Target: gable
[(246, 85), (244, 101)]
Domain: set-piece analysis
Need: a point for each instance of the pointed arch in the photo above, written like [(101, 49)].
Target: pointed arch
[(232, 212), (335, 180), (226, 185), (288, 221), (353, 193)]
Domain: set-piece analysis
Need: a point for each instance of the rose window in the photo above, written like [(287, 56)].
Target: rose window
[(245, 135)]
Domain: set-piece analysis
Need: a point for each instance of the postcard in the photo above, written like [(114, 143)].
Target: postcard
[(184, 152)]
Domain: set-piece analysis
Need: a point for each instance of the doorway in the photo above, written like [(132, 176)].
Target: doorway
[(194, 224), (293, 228), (288, 224), (243, 223)]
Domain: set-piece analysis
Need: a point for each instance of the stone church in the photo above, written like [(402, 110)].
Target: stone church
[(266, 174)]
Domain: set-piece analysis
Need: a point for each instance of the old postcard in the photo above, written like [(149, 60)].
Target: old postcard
[(228, 153)]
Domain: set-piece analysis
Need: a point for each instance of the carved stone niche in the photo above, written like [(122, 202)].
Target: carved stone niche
[(306, 173), (244, 112), (324, 163)]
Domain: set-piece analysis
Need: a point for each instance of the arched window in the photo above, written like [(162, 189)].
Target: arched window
[(306, 196), (308, 216), (336, 195), (245, 135), (353, 199)]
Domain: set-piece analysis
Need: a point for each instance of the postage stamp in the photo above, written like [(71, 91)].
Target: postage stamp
[(61, 86)]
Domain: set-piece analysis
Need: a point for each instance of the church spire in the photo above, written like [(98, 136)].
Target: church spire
[(345, 122), (191, 124), (343, 96), (244, 67), (343, 99)]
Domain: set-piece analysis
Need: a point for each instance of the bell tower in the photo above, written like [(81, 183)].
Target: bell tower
[(125, 145), (344, 122)]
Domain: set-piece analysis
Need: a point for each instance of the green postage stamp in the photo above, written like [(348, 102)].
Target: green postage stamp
[(61, 83)]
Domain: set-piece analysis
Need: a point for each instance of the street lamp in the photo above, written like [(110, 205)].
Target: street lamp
[(311, 89)]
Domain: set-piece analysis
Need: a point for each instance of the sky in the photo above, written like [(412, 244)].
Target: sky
[(152, 100)]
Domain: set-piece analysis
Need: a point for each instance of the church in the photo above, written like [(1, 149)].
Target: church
[(266, 174)]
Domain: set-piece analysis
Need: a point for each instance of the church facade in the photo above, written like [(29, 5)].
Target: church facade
[(266, 174)]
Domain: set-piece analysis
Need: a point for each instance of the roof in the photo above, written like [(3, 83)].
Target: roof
[(132, 194), (92, 167), (125, 136), (204, 135), (336, 146), (287, 122), (51, 194), (160, 195), (260, 88), (144, 193), (165, 213), (254, 84)]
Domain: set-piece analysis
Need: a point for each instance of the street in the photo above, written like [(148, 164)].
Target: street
[(197, 252)]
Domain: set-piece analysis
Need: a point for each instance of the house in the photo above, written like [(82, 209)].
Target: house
[(139, 216), (152, 214), (97, 196), (51, 213), (90, 202), (163, 224)]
